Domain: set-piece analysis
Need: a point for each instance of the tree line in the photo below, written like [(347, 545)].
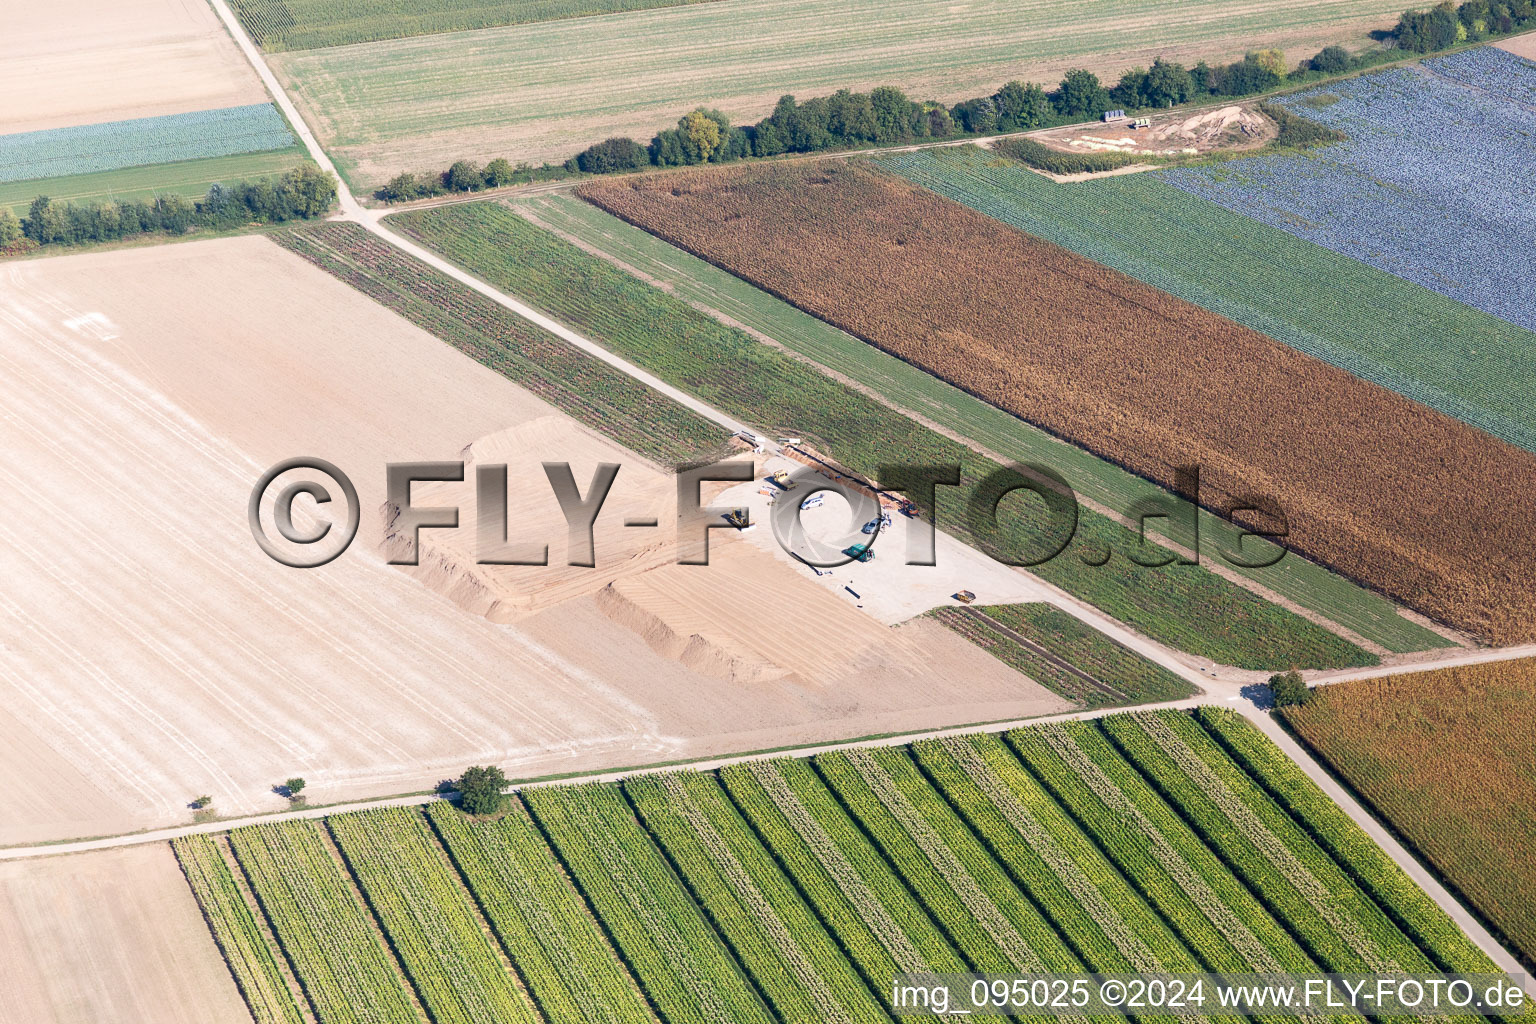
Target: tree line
[(1448, 24), (301, 192), (886, 115)]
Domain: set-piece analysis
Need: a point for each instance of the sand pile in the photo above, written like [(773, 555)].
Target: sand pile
[(503, 593)]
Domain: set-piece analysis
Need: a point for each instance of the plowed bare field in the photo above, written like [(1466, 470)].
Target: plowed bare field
[(1378, 487)]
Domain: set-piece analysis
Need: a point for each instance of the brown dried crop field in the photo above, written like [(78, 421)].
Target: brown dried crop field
[(1379, 488), (1448, 758)]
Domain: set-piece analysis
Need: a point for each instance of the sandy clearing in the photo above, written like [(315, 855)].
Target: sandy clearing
[(85, 61), (147, 645), (1520, 46), (112, 937), (538, 92)]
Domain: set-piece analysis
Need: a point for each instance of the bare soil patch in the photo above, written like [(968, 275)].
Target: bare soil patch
[(1232, 128), (86, 61), (1378, 487), (111, 937), (1520, 46)]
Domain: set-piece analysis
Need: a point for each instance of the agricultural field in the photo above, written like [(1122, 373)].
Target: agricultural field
[(1184, 607), (1380, 327), (794, 889), (110, 937), (590, 391), (277, 25), (89, 61), (984, 427), (542, 92), (189, 178), (113, 376), (110, 146), (1431, 184), (1131, 373), (1445, 759), (1070, 657)]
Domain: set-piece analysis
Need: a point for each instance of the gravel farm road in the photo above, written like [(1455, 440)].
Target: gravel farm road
[(1219, 687)]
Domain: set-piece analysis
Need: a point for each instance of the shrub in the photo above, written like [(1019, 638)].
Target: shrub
[(1331, 60), (463, 176), (611, 155), (1299, 132), (1034, 154)]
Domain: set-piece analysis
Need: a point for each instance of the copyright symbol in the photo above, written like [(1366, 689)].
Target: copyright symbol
[(282, 513), (1112, 993)]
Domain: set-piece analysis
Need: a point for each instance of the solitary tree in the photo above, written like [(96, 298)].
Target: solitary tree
[(1289, 689), (294, 786), (481, 789), (200, 802)]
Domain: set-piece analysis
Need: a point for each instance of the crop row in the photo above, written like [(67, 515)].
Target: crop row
[(774, 934), (982, 426), (1346, 842), (1433, 184), (430, 921), (850, 885), (1185, 607), (1135, 678), (1089, 901), (343, 966), (236, 931), (583, 387), (111, 145), (308, 24), (1128, 372), (958, 881), (1382, 328), (657, 927), (1215, 916), (540, 920), (1340, 927), (984, 634)]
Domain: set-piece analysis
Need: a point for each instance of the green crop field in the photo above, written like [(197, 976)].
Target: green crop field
[(1435, 350), (246, 950), (308, 24), (1064, 654), (189, 178), (796, 889), (1183, 606), (985, 426), (544, 91)]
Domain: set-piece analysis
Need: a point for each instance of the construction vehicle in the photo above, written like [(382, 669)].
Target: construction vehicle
[(964, 596), (907, 509), (738, 518), (782, 479), (860, 552)]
